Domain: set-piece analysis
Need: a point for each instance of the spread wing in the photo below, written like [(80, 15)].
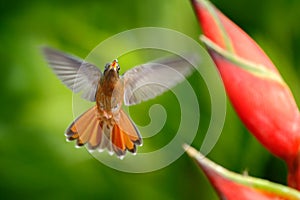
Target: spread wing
[(152, 79), (75, 73)]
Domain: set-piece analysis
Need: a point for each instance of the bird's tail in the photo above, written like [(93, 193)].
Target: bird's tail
[(118, 137), (125, 135)]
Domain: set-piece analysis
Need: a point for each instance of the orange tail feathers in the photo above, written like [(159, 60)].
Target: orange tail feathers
[(125, 135), (88, 129)]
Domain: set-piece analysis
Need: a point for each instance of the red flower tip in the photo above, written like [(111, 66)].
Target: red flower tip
[(230, 185)]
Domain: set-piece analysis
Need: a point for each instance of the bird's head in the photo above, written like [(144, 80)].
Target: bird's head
[(112, 68)]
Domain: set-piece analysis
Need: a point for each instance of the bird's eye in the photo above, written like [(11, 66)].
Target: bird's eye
[(106, 66), (118, 68)]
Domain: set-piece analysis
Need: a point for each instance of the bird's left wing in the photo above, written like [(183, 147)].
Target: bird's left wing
[(75, 73), (152, 79)]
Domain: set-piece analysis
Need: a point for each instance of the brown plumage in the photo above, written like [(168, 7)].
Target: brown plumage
[(106, 125)]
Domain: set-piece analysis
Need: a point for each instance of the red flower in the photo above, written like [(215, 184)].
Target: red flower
[(259, 95), (233, 186)]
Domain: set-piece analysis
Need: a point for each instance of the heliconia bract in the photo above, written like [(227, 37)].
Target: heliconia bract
[(232, 186), (254, 86)]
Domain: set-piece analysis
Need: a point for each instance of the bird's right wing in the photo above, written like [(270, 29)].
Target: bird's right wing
[(75, 73)]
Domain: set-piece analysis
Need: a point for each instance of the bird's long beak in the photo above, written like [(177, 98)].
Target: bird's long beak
[(114, 65)]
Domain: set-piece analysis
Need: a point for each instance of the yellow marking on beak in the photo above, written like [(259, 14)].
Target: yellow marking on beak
[(114, 64)]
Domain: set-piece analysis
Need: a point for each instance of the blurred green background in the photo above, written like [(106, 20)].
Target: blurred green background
[(37, 162)]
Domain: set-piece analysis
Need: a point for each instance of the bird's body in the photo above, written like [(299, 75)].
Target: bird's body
[(106, 125), (109, 95)]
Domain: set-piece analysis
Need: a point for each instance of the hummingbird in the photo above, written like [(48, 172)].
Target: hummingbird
[(106, 125)]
